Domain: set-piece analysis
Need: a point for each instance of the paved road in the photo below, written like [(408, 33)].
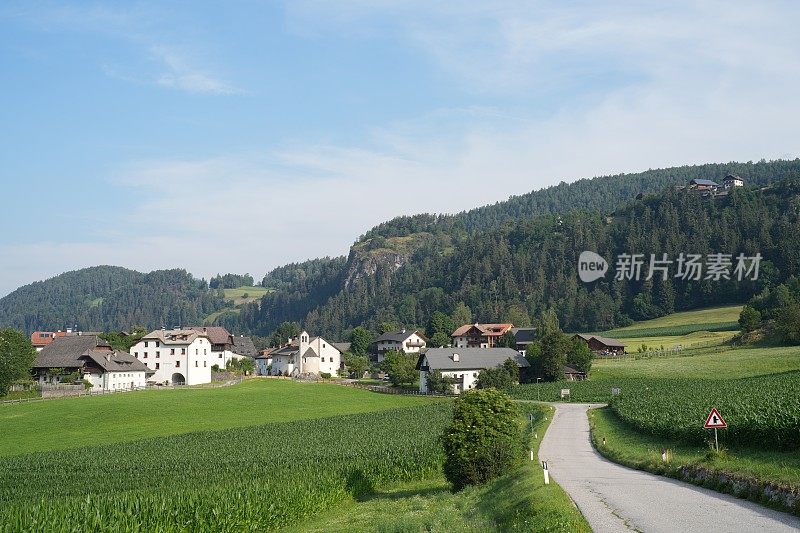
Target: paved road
[(616, 498)]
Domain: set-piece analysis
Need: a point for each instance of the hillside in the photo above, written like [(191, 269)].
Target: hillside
[(514, 272), (110, 298)]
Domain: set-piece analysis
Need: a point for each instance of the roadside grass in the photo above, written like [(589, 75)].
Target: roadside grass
[(703, 317), (519, 501), (729, 364), (694, 339), (93, 420), (20, 395), (744, 468)]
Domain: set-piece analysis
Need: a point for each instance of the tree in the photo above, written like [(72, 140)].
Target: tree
[(17, 355), (462, 315), (284, 332), (788, 324), (440, 339), (580, 356), (484, 440), (548, 356), (441, 323), (547, 323), (749, 319), (360, 339), (507, 340), (356, 364), (439, 384), (500, 378), (401, 368)]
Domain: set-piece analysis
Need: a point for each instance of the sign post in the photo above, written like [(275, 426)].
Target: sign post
[(715, 421)]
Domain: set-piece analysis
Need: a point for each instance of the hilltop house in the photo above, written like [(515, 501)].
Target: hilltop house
[(406, 341), (700, 184), (306, 356), (463, 364), (479, 335), (523, 337), (730, 181), (177, 356), (92, 359), (600, 344)]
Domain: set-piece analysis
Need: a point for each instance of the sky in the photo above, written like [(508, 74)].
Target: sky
[(240, 136)]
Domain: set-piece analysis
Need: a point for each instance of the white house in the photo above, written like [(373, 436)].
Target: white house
[(306, 356), (178, 356), (479, 335), (730, 181), (402, 341), (464, 364), (223, 345), (111, 370)]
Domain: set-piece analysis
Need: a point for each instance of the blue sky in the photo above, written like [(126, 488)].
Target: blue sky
[(240, 136)]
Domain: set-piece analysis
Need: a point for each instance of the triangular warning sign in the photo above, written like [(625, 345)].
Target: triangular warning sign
[(714, 420)]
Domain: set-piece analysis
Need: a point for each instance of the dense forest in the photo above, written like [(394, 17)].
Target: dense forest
[(508, 261), (107, 298)]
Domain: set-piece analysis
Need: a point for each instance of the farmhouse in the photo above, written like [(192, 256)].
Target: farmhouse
[(264, 361), (730, 181), (40, 339), (463, 364), (573, 374), (703, 185), (91, 358), (523, 337), (243, 347), (177, 356), (602, 344), (479, 335), (406, 341), (306, 356)]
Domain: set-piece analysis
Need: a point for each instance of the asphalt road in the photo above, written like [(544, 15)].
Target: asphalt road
[(616, 498)]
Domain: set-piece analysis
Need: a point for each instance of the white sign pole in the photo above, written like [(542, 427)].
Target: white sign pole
[(716, 441), (546, 473)]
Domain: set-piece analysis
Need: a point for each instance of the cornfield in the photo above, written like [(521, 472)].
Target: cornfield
[(761, 411), (243, 479)]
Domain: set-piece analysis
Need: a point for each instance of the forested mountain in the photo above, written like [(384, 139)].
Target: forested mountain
[(503, 264), (107, 298), (508, 261)]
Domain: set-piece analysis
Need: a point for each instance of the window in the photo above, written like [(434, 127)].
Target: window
[(136, 354), (172, 351), (158, 344), (205, 352), (158, 355), (145, 344), (220, 356), (205, 363), (196, 364), (183, 351), (145, 355), (197, 351), (322, 359), (177, 364), (158, 365)]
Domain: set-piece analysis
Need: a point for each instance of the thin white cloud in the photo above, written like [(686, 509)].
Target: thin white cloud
[(180, 75)]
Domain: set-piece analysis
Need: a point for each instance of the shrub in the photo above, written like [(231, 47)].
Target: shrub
[(325, 375), (484, 440)]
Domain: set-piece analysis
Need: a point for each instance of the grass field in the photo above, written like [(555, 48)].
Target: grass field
[(72, 422), (730, 364), (669, 342), (237, 296), (705, 317), (519, 501)]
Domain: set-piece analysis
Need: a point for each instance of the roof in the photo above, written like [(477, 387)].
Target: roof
[(216, 334), (173, 336), (398, 336), (310, 353), (244, 346), (572, 370), (489, 330), (289, 349), (701, 181), (470, 358), (115, 361), (266, 353), (65, 352), (524, 335), (341, 346), (603, 340), (731, 177)]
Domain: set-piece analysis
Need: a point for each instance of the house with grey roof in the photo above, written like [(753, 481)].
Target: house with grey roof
[(464, 364), (177, 356), (604, 345), (523, 337), (406, 341), (305, 356), (90, 358), (244, 346)]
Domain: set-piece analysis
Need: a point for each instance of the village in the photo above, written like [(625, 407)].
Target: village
[(75, 362)]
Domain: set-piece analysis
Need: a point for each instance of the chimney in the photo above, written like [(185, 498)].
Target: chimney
[(404, 330), (456, 358)]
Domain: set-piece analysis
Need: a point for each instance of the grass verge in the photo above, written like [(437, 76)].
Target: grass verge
[(517, 502), (770, 478)]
